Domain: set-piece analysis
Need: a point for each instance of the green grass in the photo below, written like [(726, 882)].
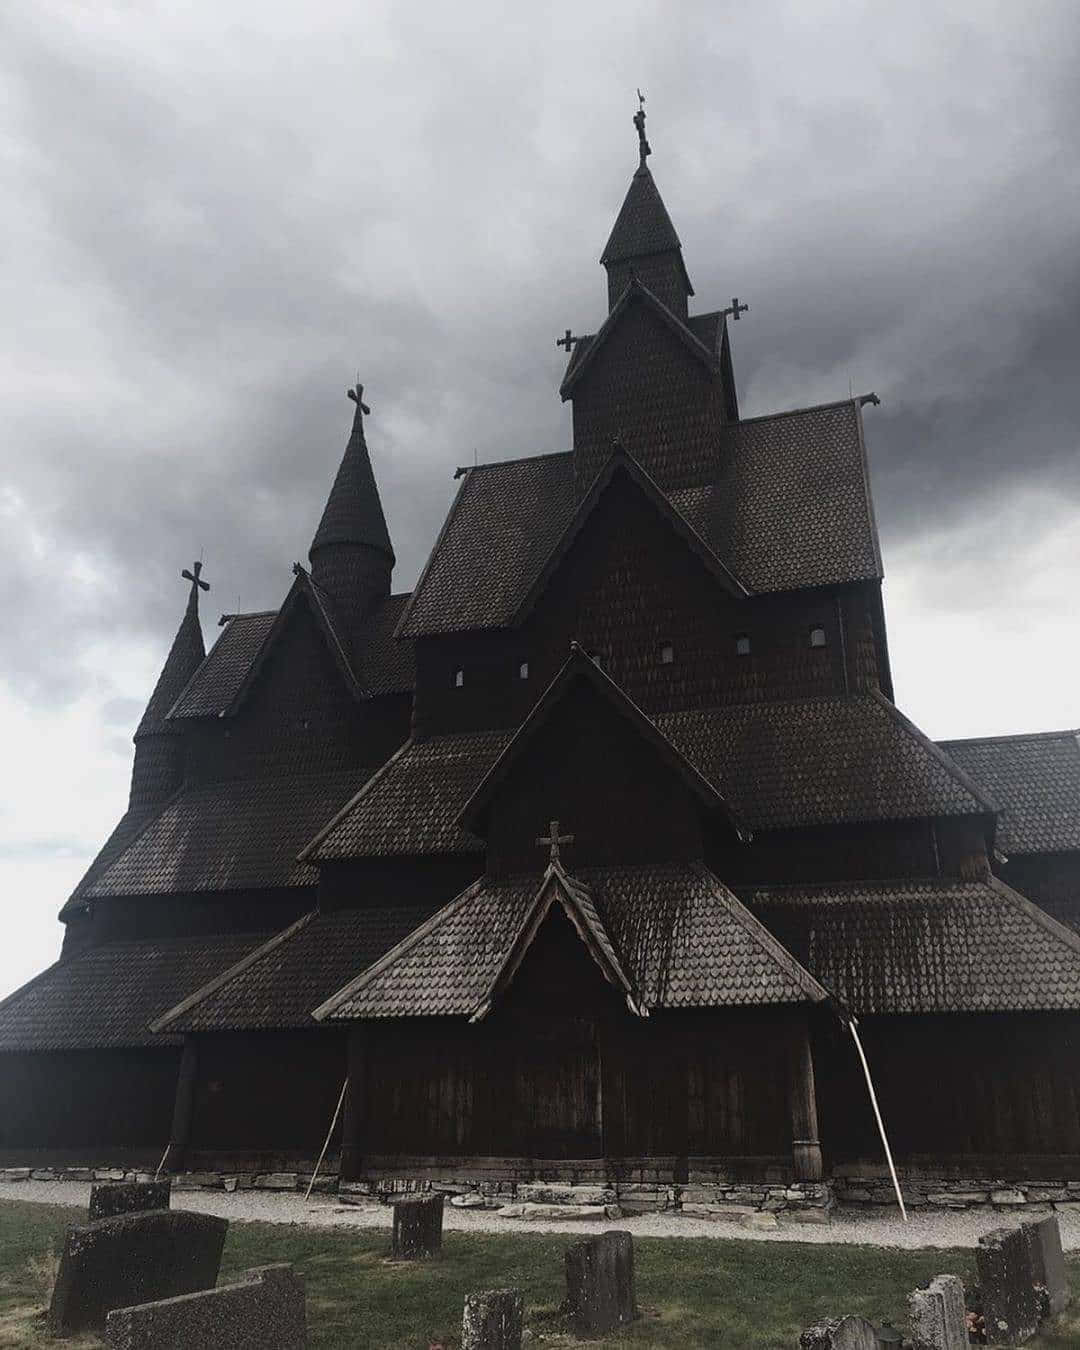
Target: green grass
[(693, 1291)]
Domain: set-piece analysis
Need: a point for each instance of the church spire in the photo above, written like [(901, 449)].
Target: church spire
[(351, 554), (643, 242), (158, 767)]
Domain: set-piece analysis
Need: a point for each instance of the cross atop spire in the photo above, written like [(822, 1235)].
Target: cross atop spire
[(644, 149), (553, 839), (197, 583), (357, 396)]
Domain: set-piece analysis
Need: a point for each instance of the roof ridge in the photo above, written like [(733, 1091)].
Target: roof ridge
[(398, 949), (869, 883), (211, 986), (792, 412), (520, 459)]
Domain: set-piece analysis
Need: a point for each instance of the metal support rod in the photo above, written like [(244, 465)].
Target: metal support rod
[(877, 1117), (161, 1164), (329, 1133)]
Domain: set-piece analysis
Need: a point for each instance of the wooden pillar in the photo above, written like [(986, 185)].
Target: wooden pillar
[(182, 1108), (353, 1111), (806, 1145)]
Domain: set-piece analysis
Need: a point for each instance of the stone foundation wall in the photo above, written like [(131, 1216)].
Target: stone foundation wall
[(703, 1196)]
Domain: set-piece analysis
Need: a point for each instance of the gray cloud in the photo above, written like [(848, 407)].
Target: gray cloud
[(218, 217)]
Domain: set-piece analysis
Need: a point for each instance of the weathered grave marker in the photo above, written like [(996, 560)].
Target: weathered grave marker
[(1011, 1307), (133, 1258), (1048, 1263), (263, 1310), (492, 1320), (938, 1315), (418, 1221), (128, 1197), (600, 1283), (840, 1333)]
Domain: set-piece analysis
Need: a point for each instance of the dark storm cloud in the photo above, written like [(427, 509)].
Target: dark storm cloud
[(218, 217)]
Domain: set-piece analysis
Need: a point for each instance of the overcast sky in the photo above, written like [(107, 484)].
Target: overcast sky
[(214, 215)]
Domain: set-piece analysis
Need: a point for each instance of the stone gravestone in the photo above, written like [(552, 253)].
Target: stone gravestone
[(840, 1333), (132, 1258), (264, 1310), (938, 1315), (600, 1283), (1011, 1306), (417, 1226), (1048, 1263), (128, 1197), (492, 1320)]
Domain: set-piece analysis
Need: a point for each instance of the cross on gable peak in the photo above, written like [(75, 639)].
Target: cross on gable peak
[(197, 583), (553, 839), (568, 340)]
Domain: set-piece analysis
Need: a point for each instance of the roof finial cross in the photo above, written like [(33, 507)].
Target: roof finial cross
[(639, 121), (553, 839), (197, 583), (567, 341), (735, 309), (357, 396)]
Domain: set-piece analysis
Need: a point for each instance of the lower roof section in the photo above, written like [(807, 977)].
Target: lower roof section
[(676, 934), (924, 946), (106, 997), (243, 834)]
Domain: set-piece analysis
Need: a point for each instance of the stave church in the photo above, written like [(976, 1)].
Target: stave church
[(606, 853)]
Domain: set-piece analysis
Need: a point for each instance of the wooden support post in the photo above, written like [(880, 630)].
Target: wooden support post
[(352, 1115), (806, 1146), (183, 1105)]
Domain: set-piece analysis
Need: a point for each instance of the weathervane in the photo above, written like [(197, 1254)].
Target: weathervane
[(553, 839), (639, 121)]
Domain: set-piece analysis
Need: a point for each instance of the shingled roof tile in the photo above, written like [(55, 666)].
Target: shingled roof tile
[(106, 997), (1035, 780), (921, 946), (215, 684)]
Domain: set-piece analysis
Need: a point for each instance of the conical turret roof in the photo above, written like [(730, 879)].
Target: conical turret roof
[(353, 512), (643, 226), (185, 656)]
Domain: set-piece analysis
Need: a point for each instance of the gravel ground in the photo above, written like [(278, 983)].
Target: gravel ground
[(879, 1229)]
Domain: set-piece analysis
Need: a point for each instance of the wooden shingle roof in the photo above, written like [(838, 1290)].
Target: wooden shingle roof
[(922, 946), (106, 997), (1035, 780), (675, 934)]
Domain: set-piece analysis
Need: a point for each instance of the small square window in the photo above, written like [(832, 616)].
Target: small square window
[(523, 671), (459, 679), (667, 654), (742, 645), (817, 636)]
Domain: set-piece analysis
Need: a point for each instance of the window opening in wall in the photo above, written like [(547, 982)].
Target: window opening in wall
[(742, 645), (817, 636), (667, 654), (523, 671), (459, 679)]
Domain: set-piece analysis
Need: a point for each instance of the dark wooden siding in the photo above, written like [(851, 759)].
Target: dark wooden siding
[(1052, 880)]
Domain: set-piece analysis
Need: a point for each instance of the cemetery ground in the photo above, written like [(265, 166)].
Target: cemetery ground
[(692, 1291)]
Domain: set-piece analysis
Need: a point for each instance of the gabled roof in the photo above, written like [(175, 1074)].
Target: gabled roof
[(673, 935), (789, 503), (822, 761), (276, 985), (240, 834), (927, 945), (410, 806), (353, 513), (636, 293), (107, 996), (215, 684), (785, 505), (620, 461), (579, 666), (1035, 779), (185, 656)]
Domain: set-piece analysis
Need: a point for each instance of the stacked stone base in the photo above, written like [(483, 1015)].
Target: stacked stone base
[(956, 1193)]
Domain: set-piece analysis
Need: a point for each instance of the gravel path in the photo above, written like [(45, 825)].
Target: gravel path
[(884, 1229)]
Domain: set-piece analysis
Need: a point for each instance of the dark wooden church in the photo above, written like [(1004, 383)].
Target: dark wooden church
[(583, 857)]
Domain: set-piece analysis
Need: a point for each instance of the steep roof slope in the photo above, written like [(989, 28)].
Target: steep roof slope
[(1035, 779)]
